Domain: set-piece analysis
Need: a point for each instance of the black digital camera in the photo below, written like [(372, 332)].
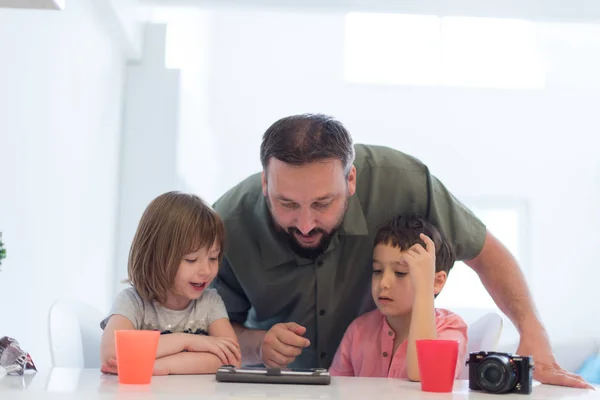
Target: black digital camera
[(494, 372)]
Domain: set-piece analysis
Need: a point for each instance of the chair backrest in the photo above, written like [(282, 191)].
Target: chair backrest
[(75, 334), (483, 334)]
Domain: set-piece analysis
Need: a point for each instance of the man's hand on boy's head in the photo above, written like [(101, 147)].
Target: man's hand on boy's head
[(282, 344), (421, 263)]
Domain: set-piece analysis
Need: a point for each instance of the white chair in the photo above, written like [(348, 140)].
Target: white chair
[(483, 335), (74, 329)]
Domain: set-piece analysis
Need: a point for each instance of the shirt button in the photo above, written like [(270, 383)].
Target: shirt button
[(320, 263), (322, 312), (390, 333), (323, 354), (385, 353)]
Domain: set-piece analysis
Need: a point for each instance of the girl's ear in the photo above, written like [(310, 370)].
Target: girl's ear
[(439, 281)]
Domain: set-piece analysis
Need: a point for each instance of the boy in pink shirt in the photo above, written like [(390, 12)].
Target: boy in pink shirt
[(411, 261)]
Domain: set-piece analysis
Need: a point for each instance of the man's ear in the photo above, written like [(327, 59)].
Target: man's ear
[(263, 179), (439, 281), (352, 181)]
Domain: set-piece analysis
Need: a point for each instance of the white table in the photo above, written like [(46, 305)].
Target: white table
[(88, 384)]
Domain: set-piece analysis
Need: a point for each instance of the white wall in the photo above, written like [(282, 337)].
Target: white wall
[(188, 36), (149, 149), (129, 17), (61, 80), (540, 146)]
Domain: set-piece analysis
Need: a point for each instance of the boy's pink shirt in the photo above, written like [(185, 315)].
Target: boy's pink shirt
[(369, 342)]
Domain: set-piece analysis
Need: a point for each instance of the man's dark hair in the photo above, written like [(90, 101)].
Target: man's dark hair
[(403, 232), (306, 138)]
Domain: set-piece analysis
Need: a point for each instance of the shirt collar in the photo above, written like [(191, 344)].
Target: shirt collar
[(385, 327)]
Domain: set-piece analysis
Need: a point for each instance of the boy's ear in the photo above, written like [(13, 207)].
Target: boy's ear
[(439, 281)]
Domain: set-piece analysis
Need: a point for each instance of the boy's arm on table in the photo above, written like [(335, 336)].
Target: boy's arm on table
[(422, 326), (421, 264), (457, 330)]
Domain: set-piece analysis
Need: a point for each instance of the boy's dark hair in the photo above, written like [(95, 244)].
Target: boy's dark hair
[(403, 232), (306, 138)]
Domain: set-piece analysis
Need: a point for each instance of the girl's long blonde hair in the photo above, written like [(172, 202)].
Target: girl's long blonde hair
[(173, 225)]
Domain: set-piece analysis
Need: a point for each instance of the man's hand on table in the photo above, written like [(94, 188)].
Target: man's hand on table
[(282, 344), (546, 369)]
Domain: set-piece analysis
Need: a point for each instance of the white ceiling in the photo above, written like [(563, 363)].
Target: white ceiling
[(552, 10)]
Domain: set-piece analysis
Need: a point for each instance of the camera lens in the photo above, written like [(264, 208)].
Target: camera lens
[(496, 374)]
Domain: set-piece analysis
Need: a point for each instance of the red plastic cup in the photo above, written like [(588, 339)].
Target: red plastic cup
[(437, 364), (136, 354)]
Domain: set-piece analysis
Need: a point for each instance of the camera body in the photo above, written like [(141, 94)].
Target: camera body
[(495, 372)]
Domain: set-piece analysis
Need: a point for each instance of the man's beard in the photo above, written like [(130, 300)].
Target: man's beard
[(307, 252)]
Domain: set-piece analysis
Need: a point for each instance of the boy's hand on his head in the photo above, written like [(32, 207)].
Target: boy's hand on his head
[(282, 344), (421, 264)]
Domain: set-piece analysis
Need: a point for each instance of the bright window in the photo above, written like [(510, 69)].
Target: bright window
[(422, 50), (488, 52), (392, 49), (509, 224)]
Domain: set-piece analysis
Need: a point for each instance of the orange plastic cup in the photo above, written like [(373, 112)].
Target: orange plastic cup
[(136, 353), (437, 364)]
